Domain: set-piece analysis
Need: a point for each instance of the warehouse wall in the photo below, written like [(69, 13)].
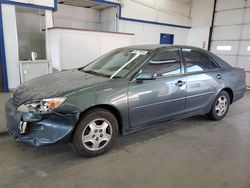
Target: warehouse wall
[(160, 11), (108, 19), (165, 11), (48, 3), (231, 33), (11, 44), (150, 34), (77, 17), (201, 14)]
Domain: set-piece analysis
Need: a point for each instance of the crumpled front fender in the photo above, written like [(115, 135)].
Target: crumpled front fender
[(50, 130), (43, 129)]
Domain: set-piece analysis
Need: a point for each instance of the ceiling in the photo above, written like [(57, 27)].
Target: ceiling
[(84, 3)]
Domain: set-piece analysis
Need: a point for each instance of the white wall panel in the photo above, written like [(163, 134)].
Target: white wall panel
[(248, 78), (62, 23), (233, 44), (247, 16), (229, 59), (246, 32), (77, 17), (179, 7), (236, 16), (150, 34), (73, 48), (243, 49), (198, 37), (86, 25), (180, 36), (47, 3), (244, 62), (161, 17), (87, 14), (132, 9), (11, 45), (230, 17), (226, 33), (201, 13), (109, 19), (229, 4), (166, 11)]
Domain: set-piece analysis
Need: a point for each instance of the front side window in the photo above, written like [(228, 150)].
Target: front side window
[(116, 64), (197, 61), (166, 63)]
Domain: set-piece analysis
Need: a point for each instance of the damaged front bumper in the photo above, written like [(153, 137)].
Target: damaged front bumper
[(42, 129)]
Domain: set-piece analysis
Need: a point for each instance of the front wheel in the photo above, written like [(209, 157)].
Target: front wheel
[(95, 133), (220, 106)]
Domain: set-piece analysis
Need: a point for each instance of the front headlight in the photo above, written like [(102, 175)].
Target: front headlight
[(44, 105)]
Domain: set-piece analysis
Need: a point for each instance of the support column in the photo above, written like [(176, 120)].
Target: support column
[(48, 24), (11, 44)]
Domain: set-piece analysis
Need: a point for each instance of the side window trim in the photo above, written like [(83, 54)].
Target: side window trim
[(181, 62), (202, 71)]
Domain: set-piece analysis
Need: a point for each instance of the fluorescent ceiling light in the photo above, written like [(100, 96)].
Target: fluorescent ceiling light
[(224, 48), (248, 48)]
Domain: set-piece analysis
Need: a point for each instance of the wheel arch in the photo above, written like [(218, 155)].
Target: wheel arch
[(108, 107), (230, 93)]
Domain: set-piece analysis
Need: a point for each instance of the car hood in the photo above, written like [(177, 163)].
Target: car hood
[(55, 85)]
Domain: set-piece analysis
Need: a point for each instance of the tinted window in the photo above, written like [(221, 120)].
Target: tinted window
[(165, 63), (197, 61)]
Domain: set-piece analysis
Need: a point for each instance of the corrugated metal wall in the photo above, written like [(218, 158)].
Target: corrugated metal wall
[(231, 33)]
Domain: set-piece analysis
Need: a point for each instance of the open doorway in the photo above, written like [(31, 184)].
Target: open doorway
[(30, 32)]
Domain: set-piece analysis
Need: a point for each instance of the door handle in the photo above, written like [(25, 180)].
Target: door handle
[(180, 83), (219, 76)]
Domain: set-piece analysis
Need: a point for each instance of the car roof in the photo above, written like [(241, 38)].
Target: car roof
[(157, 47)]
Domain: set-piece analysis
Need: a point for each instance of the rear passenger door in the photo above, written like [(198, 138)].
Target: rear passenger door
[(203, 77)]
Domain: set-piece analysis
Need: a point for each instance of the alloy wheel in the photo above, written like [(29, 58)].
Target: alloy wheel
[(221, 105), (97, 134)]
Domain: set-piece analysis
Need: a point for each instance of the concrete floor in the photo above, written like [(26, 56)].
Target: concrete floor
[(194, 152)]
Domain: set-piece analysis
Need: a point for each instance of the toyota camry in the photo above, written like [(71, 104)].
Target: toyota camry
[(126, 90)]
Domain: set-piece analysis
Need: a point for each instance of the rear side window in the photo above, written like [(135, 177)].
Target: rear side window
[(197, 61), (165, 63)]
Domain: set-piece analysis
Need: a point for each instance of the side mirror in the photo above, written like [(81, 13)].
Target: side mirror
[(146, 76)]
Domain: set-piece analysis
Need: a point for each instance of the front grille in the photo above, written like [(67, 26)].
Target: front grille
[(4, 133)]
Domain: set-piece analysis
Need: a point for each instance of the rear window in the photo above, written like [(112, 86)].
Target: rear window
[(196, 61)]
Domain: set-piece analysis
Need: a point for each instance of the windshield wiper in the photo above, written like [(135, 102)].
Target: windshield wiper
[(95, 73)]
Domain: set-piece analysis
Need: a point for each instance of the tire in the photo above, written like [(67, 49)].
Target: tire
[(95, 133), (218, 110)]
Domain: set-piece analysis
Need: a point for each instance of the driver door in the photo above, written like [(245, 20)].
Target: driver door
[(160, 99)]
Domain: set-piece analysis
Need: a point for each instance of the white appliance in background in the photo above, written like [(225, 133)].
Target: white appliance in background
[(33, 69), (33, 56)]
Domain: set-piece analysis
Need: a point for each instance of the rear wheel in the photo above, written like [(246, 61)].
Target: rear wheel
[(220, 106), (95, 133)]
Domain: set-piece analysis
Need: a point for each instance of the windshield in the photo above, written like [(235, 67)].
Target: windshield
[(116, 64)]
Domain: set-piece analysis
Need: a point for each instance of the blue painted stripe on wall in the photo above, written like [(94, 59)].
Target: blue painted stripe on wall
[(155, 23), (3, 57), (31, 5), (139, 20)]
